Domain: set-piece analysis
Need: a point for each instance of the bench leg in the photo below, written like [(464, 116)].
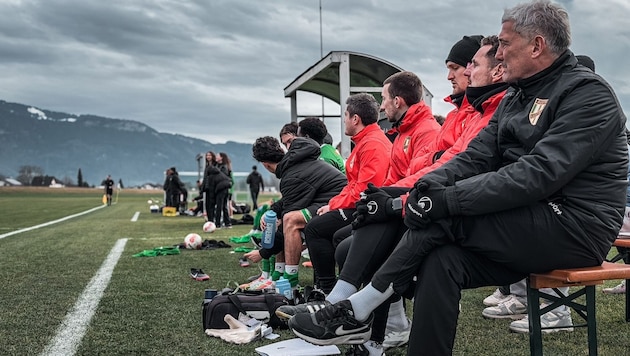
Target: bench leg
[(533, 312), (591, 320)]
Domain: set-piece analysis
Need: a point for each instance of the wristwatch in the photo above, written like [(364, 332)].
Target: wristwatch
[(397, 205)]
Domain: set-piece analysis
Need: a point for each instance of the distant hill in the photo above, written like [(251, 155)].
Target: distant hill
[(62, 143)]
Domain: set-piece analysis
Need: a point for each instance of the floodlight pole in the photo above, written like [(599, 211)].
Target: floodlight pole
[(199, 157), (321, 49)]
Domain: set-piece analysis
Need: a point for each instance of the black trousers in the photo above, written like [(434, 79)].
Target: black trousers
[(210, 202), (473, 251), (222, 207), (254, 193), (318, 234)]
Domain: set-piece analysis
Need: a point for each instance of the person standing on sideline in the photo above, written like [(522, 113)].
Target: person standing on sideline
[(108, 183), (223, 195), (211, 179), (542, 187), (256, 185)]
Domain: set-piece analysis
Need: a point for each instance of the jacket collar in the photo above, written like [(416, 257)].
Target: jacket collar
[(542, 78)]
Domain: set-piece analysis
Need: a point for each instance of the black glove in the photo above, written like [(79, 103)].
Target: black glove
[(374, 207), (426, 203)]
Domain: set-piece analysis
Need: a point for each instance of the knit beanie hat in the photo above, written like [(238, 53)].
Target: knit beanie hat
[(463, 51)]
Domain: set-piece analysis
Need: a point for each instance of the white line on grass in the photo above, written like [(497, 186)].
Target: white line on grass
[(135, 216), (50, 222), (73, 327)]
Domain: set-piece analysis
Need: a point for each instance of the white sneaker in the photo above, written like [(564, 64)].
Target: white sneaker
[(495, 298), (396, 338), (370, 348), (511, 308), (618, 289), (560, 319)]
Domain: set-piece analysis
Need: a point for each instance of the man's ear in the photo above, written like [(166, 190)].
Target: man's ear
[(497, 73), (538, 46)]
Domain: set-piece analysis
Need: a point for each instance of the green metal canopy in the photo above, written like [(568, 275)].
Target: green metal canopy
[(340, 74)]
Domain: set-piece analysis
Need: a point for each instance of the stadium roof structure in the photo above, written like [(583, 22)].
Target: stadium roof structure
[(340, 74)]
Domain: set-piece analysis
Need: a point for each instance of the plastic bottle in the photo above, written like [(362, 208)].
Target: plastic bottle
[(283, 286), (208, 295), (270, 229)]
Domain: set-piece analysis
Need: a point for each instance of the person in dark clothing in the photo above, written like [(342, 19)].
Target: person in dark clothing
[(306, 182), (256, 185), (215, 186), (223, 193), (108, 183), (540, 188), (174, 188), (208, 186)]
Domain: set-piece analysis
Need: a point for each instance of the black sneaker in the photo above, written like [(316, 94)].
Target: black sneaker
[(198, 275), (335, 324), (285, 312)]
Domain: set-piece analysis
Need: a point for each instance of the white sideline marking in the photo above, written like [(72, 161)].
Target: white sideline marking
[(50, 222), (74, 326), (135, 216)]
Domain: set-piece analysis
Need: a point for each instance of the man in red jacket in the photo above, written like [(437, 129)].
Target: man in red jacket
[(412, 121), (368, 162)]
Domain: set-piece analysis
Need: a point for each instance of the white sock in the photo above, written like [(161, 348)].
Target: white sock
[(291, 269), (367, 299), (280, 267), (341, 291), (397, 318), (265, 275)]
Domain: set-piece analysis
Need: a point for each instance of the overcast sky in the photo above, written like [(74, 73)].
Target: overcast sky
[(217, 69)]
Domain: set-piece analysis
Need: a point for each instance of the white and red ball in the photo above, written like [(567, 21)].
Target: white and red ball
[(209, 226), (193, 241)]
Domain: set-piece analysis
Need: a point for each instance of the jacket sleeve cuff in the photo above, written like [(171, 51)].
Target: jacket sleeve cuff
[(452, 204)]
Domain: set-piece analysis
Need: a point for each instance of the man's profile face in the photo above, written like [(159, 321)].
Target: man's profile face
[(478, 71), (388, 104), (456, 76), (286, 139), (514, 51)]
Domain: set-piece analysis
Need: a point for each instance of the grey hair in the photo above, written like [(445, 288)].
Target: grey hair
[(542, 18)]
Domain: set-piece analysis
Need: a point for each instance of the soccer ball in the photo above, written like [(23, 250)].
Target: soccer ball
[(193, 241), (209, 226), (149, 201)]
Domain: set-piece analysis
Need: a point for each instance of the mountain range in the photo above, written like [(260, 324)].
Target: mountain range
[(61, 144)]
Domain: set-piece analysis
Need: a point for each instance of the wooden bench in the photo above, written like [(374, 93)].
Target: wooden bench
[(621, 256), (587, 278)]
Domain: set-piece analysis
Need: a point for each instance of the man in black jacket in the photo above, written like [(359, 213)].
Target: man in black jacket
[(306, 183), (256, 184), (540, 188)]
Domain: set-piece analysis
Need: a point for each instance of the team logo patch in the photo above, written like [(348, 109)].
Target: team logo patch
[(372, 207), (425, 203), (406, 144), (537, 109)]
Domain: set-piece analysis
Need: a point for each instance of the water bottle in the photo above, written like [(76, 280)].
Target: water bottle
[(270, 229), (208, 294), (283, 287)]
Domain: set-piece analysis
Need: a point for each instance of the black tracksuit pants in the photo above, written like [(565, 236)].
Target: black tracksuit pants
[(318, 234), (469, 252)]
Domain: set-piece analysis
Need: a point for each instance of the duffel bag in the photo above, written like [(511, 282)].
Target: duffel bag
[(260, 306)]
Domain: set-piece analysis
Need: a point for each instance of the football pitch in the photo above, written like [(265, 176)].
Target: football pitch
[(71, 286)]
